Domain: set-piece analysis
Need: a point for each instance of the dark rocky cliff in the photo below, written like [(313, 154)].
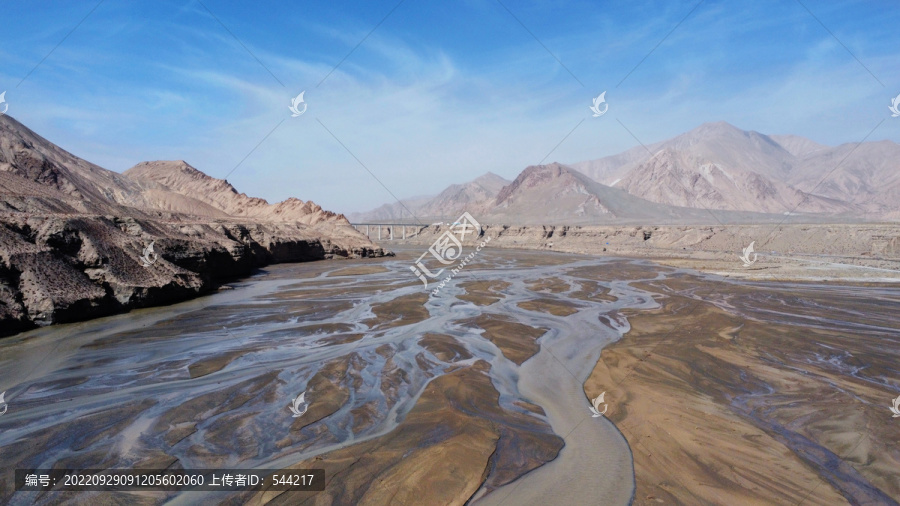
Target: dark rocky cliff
[(56, 269)]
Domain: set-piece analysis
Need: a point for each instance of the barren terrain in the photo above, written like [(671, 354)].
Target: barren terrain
[(814, 252)]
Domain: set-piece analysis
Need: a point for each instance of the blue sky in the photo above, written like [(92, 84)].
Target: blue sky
[(440, 92)]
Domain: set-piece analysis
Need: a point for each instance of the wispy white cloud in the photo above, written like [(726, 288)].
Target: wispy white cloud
[(422, 116)]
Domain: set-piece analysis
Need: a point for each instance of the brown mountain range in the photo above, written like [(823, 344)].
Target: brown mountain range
[(727, 174), (719, 166), (558, 194)]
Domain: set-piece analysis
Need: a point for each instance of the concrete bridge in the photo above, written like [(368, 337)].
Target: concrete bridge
[(404, 230)]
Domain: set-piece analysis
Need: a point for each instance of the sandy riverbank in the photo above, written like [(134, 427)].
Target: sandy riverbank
[(757, 394)]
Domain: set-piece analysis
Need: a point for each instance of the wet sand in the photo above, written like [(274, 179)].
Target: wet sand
[(409, 380), (758, 393)]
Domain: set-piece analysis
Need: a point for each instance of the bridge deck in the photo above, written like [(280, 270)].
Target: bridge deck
[(370, 228)]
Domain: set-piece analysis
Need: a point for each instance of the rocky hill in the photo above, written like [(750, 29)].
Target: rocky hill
[(681, 178), (78, 241), (558, 194), (475, 195), (866, 176), (719, 166), (165, 178)]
